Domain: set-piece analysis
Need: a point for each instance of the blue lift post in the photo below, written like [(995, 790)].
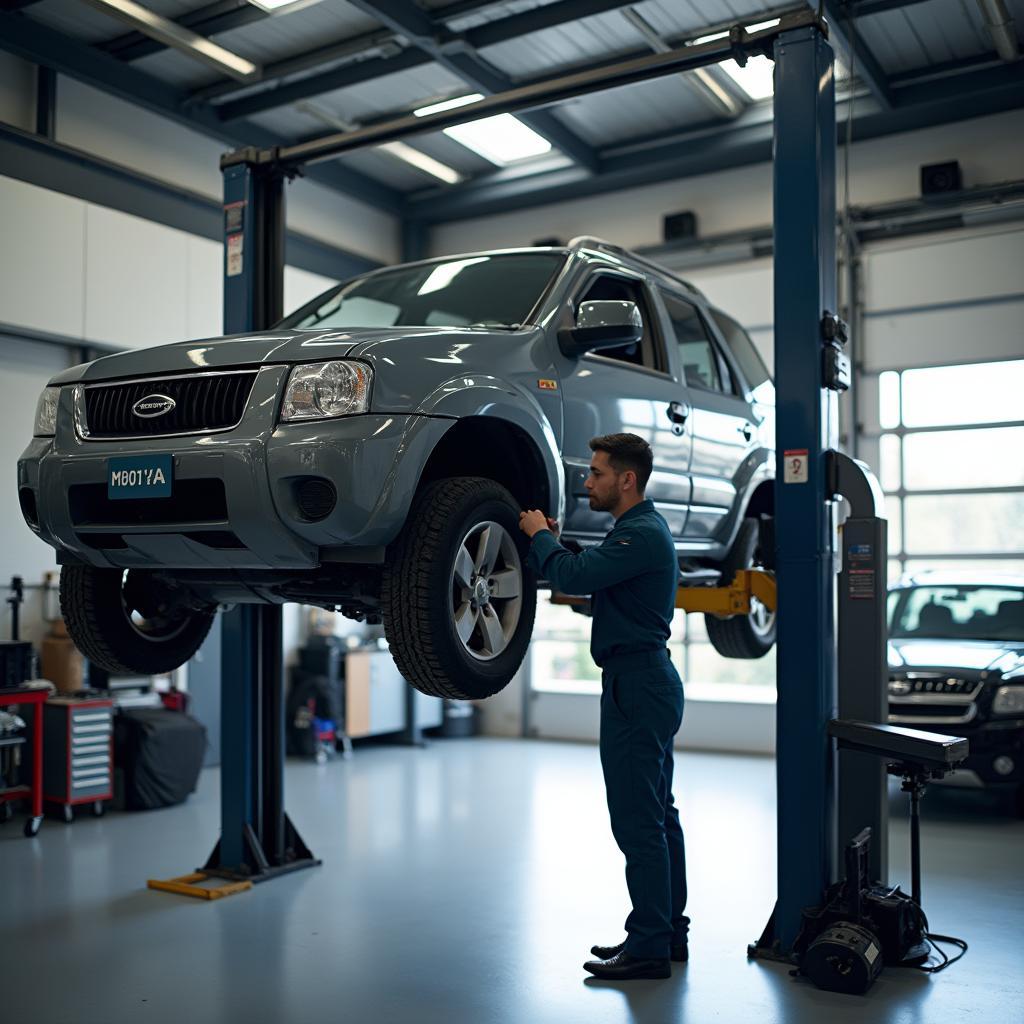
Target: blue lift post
[(806, 429), (257, 840)]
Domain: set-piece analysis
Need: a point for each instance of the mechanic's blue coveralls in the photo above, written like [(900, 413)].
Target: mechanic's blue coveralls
[(632, 577)]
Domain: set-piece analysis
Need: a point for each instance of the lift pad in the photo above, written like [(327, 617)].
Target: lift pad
[(731, 600), (185, 885)]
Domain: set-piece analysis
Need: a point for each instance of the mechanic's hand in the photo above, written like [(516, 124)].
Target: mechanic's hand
[(533, 521)]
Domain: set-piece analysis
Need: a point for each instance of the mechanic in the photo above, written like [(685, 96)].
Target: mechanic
[(632, 577)]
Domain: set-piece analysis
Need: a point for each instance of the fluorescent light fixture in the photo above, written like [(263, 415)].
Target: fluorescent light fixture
[(502, 139), (171, 34), (273, 6), (709, 39), (422, 162), (458, 101), (401, 150), (756, 79)]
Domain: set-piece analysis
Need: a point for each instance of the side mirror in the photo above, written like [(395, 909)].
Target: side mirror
[(602, 324)]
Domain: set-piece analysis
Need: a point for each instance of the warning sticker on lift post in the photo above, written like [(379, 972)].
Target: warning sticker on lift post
[(794, 466), (862, 584), (234, 255)]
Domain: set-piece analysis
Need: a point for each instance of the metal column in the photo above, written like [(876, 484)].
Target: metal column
[(257, 839), (807, 421)]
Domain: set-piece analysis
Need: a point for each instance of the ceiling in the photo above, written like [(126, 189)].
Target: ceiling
[(330, 64)]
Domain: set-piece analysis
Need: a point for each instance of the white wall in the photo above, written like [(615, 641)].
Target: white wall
[(89, 272), (122, 133), (989, 149)]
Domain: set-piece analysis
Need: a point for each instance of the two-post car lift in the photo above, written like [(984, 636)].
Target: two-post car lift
[(257, 840)]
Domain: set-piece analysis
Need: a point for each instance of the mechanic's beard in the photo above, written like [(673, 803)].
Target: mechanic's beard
[(597, 505)]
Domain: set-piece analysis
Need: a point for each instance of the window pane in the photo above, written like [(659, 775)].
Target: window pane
[(975, 393), (708, 666), (965, 458), (700, 368), (751, 363), (565, 665), (889, 399), (965, 523), (893, 513), (983, 567), (894, 570), (960, 612), (889, 462)]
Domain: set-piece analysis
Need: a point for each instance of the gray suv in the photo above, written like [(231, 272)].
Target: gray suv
[(371, 453)]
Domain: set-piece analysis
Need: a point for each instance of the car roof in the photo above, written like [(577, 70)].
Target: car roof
[(958, 577)]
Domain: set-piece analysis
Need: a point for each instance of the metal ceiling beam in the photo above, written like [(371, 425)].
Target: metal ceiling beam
[(316, 85), (546, 93), (42, 45), (842, 33), (382, 41), (457, 55), (549, 16), (720, 147), (220, 16), (866, 8)]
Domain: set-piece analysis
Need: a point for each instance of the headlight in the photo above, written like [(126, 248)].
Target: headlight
[(1009, 700), (324, 390), (46, 413)]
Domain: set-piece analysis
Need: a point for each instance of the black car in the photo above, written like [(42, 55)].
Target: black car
[(956, 666)]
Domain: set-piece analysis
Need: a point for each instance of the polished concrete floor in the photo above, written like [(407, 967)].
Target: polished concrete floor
[(464, 884)]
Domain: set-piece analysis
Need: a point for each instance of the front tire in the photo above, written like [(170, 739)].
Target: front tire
[(457, 600), (124, 624), (743, 636)]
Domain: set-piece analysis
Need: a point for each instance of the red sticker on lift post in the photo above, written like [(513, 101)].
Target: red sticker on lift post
[(794, 466)]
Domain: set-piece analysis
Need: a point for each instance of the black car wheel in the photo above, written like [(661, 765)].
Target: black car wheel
[(457, 601), (743, 636), (126, 623)]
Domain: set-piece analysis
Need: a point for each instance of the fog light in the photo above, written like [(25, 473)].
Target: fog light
[(316, 498), (1003, 765)]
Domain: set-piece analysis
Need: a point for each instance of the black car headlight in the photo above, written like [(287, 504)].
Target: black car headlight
[(1009, 700)]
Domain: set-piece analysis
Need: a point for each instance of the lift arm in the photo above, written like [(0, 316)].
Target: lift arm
[(731, 600)]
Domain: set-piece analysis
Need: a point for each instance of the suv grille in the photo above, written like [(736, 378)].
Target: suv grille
[(936, 699), (202, 402)]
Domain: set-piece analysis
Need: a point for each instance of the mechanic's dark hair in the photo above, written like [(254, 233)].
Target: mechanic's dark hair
[(627, 451)]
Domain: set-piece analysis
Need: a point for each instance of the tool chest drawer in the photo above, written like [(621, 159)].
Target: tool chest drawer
[(78, 750)]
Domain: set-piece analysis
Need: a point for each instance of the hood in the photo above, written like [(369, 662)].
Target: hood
[(972, 655), (237, 350)]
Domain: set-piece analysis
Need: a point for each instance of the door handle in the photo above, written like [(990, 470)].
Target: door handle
[(746, 431), (678, 412)]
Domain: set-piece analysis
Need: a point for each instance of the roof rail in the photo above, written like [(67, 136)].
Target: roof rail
[(601, 245)]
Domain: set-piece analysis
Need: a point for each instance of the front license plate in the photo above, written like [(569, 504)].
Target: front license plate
[(140, 476)]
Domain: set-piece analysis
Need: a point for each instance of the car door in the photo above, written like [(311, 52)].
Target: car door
[(628, 389), (723, 430)]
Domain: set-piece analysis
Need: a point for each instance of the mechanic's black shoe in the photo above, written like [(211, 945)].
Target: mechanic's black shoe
[(623, 967), (679, 951)]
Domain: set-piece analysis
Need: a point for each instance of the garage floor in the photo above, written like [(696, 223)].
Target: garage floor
[(464, 884)]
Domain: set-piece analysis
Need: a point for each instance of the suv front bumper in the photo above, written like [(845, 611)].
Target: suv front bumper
[(233, 503)]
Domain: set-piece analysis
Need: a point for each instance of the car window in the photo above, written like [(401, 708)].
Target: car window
[(746, 355), (620, 289), (959, 612), (488, 291), (701, 365)]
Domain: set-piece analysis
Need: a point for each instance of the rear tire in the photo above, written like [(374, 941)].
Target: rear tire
[(743, 636), (457, 600), (101, 610)]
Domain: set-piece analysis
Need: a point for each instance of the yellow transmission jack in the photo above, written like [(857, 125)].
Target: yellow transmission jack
[(731, 600)]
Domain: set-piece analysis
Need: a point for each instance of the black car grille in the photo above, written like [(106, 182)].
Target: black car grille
[(933, 699), (202, 402)]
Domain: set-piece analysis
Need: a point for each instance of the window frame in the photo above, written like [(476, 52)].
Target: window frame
[(649, 311), (721, 362)]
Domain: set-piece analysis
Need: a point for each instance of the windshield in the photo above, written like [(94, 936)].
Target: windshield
[(958, 613), (472, 291)]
